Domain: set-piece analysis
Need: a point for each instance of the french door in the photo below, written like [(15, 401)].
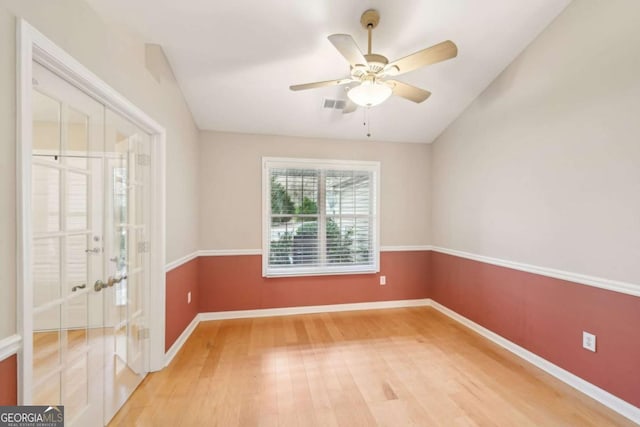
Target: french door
[(90, 203)]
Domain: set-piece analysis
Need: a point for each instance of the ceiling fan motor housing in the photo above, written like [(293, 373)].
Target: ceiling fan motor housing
[(376, 62)]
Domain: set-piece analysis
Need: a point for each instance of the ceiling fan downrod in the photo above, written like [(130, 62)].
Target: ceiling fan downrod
[(369, 20), (375, 62)]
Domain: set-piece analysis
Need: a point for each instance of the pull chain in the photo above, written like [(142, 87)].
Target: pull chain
[(367, 121)]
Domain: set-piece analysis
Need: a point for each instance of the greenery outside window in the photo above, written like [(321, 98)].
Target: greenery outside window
[(320, 217)]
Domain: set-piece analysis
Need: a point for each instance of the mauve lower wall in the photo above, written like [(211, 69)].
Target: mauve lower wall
[(235, 283), (179, 313), (547, 316), (9, 381)]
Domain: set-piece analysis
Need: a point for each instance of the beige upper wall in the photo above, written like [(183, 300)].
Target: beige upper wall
[(7, 176), (544, 167), (118, 57), (231, 190)]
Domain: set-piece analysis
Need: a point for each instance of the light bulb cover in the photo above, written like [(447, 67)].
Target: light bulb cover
[(369, 93)]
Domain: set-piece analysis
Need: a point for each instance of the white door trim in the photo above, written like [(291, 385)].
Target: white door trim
[(33, 45)]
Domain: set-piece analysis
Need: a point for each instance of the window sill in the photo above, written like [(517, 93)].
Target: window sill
[(301, 272)]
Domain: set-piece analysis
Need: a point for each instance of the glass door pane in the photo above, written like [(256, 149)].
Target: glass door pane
[(68, 258), (127, 247)]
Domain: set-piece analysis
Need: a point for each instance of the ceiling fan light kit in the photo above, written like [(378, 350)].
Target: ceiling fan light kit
[(369, 93), (371, 72)]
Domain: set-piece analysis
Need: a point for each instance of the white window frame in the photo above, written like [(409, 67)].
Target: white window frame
[(269, 163)]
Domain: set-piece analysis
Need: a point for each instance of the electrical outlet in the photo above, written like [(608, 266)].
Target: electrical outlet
[(589, 341), (189, 297), (383, 280)]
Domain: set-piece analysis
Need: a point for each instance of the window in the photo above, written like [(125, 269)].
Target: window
[(320, 217)]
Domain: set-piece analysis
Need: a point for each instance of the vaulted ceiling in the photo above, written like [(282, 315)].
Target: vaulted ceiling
[(235, 60)]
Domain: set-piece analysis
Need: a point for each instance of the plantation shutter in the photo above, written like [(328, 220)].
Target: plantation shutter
[(320, 218)]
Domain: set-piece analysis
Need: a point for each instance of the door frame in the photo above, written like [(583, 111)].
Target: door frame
[(33, 45)]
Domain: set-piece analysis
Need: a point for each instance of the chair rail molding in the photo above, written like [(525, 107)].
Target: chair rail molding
[(9, 346), (597, 282)]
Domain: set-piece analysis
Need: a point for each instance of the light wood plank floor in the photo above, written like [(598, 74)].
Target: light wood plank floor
[(394, 367)]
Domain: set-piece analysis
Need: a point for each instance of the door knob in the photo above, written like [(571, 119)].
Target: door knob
[(114, 280), (99, 285)]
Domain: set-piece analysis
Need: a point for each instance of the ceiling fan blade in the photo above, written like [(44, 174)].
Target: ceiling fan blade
[(409, 92), (349, 107), (348, 48), (320, 84), (431, 55)]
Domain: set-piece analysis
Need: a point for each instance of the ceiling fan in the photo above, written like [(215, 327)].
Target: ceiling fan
[(372, 72)]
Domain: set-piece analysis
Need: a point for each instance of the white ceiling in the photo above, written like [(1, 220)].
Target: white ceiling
[(235, 60)]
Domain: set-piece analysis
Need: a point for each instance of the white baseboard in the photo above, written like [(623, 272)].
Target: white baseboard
[(607, 399), (9, 346), (177, 345), (288, 311)]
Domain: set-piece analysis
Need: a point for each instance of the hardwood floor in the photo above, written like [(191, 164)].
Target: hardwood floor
[(394, 367)]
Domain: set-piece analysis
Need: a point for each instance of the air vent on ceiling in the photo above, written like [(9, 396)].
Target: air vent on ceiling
[(334, 104)]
